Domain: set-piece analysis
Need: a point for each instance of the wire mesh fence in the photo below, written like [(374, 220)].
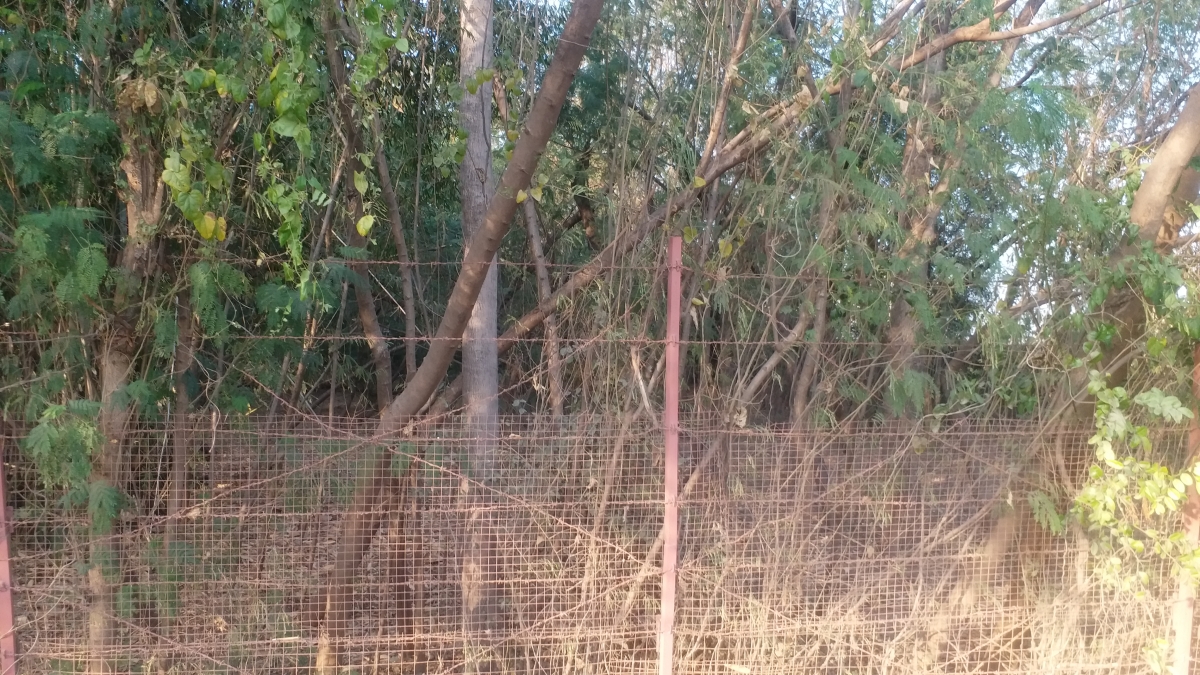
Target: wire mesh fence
[(871, 549)]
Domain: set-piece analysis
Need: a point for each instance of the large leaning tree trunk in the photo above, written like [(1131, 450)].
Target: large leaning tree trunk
[(364, 518), (1168, 187), (143, 199), (480, 360)]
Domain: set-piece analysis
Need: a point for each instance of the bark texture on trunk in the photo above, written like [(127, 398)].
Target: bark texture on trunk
[(479, 351)]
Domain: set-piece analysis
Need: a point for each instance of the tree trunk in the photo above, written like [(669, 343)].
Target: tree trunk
[(360, 525), (1167, 184), (364, 299), (184, 346), (479, 353), (105, 572), (407, 272), (179, 473), (143, 200), (339, 605), (550, 348), (808, 371)]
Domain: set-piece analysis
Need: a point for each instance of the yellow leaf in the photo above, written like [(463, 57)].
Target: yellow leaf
[(365, 224), (689, 234), (150, 95), (726, 248), (698, 302), (521, 196), (221, 228), (536, 193), (699, 182), (206, 225), (360, 184)]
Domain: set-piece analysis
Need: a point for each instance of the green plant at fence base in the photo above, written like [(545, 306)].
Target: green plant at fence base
[(1129, 503)]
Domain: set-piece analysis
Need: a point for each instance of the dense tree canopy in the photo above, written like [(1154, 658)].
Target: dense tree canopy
[(911, 213)]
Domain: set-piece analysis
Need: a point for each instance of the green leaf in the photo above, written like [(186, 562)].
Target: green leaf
[(238, 89), (214, 175), (190, 204), (206, 225), (1044, 512), (402, 44), (291, 28), (360, 184), (276, 14), (288, 126), (231, 85), (104, 505), (194, 78), (1155, 345), (689, 234)]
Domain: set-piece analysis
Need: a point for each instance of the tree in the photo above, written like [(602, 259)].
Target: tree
[(927, 211), (479, 355)]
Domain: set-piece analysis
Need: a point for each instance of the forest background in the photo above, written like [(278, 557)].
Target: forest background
[(912, 214)]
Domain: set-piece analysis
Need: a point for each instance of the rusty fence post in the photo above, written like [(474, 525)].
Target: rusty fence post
[(670, 551), (8, 634)]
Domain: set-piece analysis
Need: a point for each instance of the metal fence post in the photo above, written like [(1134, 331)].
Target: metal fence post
[(670, 552), (8, 635)]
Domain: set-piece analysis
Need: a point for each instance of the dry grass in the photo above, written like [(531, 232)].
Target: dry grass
[(828, 552)]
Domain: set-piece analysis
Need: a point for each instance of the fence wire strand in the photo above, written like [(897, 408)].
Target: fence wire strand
[(855, 550)]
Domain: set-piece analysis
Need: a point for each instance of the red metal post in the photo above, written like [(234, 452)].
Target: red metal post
[(8, 634), (670, 551)]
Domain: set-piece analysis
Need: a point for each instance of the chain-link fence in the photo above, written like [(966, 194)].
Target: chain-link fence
[(867, 550)]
